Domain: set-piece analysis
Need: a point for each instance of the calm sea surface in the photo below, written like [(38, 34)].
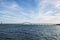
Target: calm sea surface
[(29, 32)]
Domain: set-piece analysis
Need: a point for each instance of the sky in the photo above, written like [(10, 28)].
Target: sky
[(33, 11)]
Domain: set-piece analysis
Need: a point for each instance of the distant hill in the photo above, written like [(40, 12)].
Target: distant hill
[(57, 24), (27, 23)]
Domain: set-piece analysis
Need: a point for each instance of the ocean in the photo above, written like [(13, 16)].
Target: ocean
[(29, 32)]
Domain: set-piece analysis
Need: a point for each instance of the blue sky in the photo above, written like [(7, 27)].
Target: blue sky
[(34, 11)]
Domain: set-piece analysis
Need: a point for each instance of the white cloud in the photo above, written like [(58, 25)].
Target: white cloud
[(57, 4), (53, 14), (14, 12), (44, 12)]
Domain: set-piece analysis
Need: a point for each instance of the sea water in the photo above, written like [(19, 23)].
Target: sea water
[(29, 32)]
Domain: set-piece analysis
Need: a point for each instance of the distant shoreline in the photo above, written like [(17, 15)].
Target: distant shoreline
[(57, 24), (28, 24)]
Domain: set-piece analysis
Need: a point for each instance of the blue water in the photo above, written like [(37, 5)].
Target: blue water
[(29, 32)]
